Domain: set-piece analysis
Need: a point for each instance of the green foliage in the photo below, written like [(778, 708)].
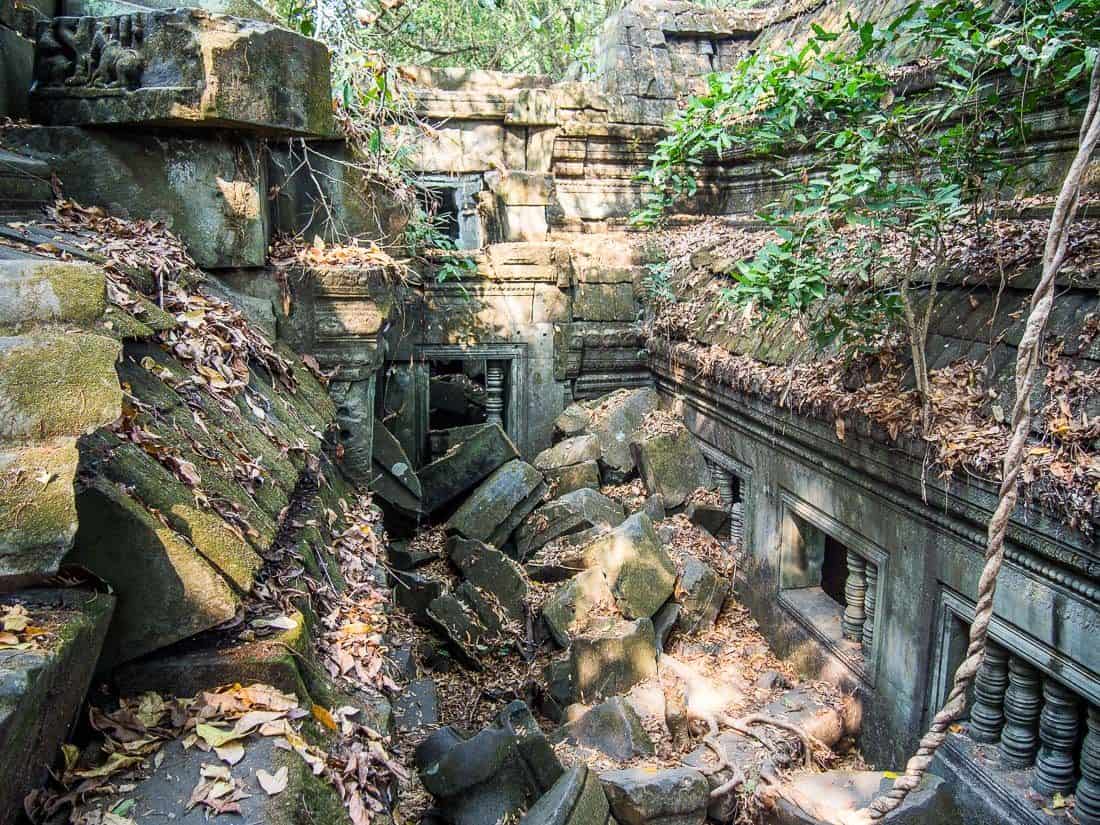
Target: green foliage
[(863, 226)]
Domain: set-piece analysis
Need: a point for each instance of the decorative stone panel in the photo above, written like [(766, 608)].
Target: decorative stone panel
[(183, 67)]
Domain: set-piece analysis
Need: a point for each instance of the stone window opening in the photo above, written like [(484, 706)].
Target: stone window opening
[(830, 583), (1030, 729), (732, 480), (451, 203)]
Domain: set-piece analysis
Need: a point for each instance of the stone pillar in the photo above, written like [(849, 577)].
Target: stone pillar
[(855, 590), (869, 601), (1055, 766), (355, 418), (1023, 702), (1088, 789), (494, 393), (987, 717)]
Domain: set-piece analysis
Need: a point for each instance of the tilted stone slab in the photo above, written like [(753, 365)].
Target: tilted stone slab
[(41, 691), (182, 67), (577, 798), (499, 504), (653, 796), (465, 465), (169, 591), (579, 510), (568, 452), (35, 291), (614, 420), (639, 571), (574, 603), (394, 479), (574, 477), (701, 593), (671, 464), (490, 570), (612, 728)]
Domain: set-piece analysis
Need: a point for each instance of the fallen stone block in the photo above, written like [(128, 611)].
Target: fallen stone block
[(461, 626), (554, 561), (571, 451), (534, 747), (574, 603), (490, 570), (570, 513), (614, 420), (394, 479), (486, 777), (714, 518), (574, 477), (465, 465), (182, 67), (610, 657), (499, 504), (701, 594), (664, 620), (828, 797), (577, 798), (42, 689), (415, 592), (671, 465), (639, 571), (612, 728), (745, 752), (402, 558), (573, 421), (416, 706), (656, 796), (34, 291)]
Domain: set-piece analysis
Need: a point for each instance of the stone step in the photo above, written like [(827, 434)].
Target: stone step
[(24, 181), (42, 688)]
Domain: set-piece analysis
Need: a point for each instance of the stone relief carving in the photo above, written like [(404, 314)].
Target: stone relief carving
[(98, 53)]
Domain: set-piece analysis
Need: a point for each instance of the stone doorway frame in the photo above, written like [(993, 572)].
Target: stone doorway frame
[(516, 396)]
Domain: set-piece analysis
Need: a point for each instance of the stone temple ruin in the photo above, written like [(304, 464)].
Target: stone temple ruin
[(593, 523)]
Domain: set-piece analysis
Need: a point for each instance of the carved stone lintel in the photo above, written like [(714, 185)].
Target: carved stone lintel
[(869, 601), (1023, 702), (855, 589), (987, 716), (1059, 724), (1088, 788), (494, 393)]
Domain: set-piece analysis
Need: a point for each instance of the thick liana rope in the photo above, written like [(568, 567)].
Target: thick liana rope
[(1027, 357)]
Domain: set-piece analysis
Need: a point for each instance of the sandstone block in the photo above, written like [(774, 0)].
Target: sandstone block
[(211, 191), (35, 291), (614, 420), (701, 594), (499, 504), (610, 657), (37, 507), (465, 465), (612, 728), (604, 302), (574, 603), (181, 67), (577, 798), (490, 570), (16, 74), (57, 384), (395, 481), (574, 477), (570, 513), (671, 465), (42, 690), (568, 452), (655, 796)]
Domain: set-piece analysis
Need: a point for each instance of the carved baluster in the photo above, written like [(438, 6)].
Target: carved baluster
[(1023, 702), (494, 393), (1055, 766), (987, 717), (855, 589), (1088, 789), (869, 601), (724, 482)]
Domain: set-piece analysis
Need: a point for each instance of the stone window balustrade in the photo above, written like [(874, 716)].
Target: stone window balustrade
[(494, 393), (1037, 723), (860, 596)]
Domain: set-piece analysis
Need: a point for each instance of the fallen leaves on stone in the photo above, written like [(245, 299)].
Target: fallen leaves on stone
[(17, 631)]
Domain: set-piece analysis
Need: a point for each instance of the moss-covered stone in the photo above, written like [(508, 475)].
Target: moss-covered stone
[(40, 689), (33, 291), (166, 590), (56, 383), (37, 507)]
